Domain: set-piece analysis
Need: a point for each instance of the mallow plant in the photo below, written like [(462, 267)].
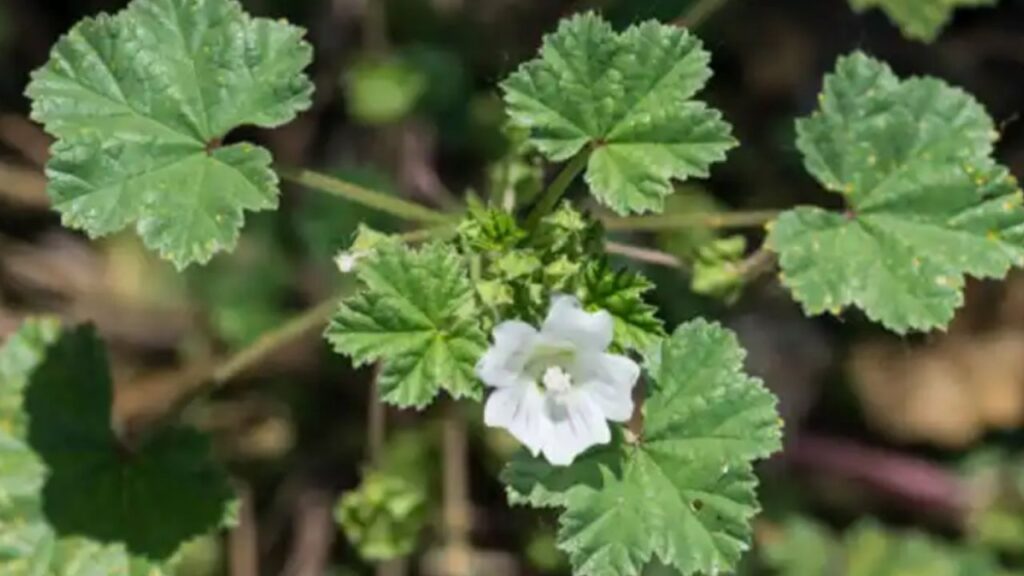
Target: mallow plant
[(641, 437)]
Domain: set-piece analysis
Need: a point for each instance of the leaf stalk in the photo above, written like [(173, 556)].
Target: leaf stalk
[(374, 199)]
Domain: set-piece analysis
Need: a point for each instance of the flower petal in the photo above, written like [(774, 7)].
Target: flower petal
[(576, 424), (567, 320), (503, 362), (521, 411), (609, 379)]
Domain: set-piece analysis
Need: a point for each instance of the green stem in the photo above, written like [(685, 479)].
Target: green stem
[(272, 341), (659, 222), (557, 188), (205, 379), (360, 195)]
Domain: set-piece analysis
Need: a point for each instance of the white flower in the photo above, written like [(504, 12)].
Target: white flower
[(557, 387)]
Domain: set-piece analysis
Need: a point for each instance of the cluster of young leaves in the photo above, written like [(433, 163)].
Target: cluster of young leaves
[(624, 99), (73, 500), (384, 516), (140, 102), (681, 491), (519, 270), (805, 548), (925, 203), (919, 19)]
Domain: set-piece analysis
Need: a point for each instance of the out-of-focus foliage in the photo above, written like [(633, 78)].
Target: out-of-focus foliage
[(239, 308), (380, 91), (804, 548), (920, 19), (35, 536), (385, 515)]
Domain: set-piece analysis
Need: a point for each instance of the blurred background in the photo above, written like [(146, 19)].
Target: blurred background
[(903, 455)]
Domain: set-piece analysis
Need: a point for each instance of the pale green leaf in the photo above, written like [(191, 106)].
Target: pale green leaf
[(925, 204), (683, 494), (629, 98), (140, 102), (417, 315), (919, 19)]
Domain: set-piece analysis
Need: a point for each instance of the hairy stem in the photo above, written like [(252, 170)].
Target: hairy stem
[(641, 254), (699, 13), (199, 381), (379, 201), (719, 220), (760, 262), (272, 341), (457, 507), (557, 188)]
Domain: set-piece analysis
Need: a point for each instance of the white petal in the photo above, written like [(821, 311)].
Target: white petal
[(521, 411), (567, 320), (576, 424), (609, 380), (503, 362)]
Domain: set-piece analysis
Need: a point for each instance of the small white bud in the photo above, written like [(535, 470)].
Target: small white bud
[(346, 261)]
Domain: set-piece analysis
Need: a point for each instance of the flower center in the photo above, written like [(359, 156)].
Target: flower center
[(548, 354), (556, 379)]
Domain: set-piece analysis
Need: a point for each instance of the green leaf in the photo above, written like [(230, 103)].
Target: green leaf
[(416, 314), (140, 101), (621, 293), (628, 97), (919, 19), (684, 492), (925, 203)]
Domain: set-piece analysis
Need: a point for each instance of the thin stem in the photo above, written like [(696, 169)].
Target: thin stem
[(557, 188), (720, 220), (457, 508), (376, 424), (204, 379), (365, 196), (758, 263), (641, 254), (272, 341), (699, 13)]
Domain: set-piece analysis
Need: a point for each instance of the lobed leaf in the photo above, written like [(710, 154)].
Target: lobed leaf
[(926, 205), (628, 98), (683, 493), (140, 102), (417, 315)]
